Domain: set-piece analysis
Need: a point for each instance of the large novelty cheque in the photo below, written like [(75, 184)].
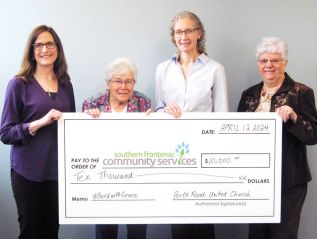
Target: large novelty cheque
[(200, 168)]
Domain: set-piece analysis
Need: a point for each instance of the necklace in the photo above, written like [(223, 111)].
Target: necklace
[(45, 85), (47, 90)]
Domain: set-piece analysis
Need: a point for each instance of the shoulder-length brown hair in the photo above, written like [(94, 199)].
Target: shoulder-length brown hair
[(28, 65)]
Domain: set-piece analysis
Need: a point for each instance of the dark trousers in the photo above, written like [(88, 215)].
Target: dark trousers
[(37, 204), (134, 231), (292, 203), (193, 231)]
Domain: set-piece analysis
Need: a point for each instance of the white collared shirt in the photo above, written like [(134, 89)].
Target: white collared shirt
[(205, 89)]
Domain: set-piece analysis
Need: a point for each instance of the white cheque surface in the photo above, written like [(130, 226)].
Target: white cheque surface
[(203, 167)]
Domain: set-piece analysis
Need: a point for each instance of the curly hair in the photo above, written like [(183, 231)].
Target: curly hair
[(272, 45), (118, 65), (199, 24)]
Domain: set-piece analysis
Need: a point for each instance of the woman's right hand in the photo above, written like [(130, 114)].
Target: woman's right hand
[(95, 113), (51, 116), (47, 119), (174, 110)]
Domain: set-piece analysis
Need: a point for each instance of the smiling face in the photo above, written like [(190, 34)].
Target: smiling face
[(121, 87), (186, 35), (271, 67), (45, 57)]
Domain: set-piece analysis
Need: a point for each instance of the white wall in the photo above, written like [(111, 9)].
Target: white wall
[(94, 32)]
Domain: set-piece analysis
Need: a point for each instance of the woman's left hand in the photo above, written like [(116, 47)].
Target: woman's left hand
[(94, 112), (286, 113), (149, 111)]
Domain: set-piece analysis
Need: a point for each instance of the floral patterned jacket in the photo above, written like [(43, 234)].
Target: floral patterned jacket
[(137, 103), (295, 169)]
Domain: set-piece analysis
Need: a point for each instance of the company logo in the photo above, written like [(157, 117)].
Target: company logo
[(181, 149), (179, 157)]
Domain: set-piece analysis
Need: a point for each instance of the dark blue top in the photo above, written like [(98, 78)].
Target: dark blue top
[(33, 157)]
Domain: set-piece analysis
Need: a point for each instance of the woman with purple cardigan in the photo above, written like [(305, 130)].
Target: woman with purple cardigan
[(34, 101)]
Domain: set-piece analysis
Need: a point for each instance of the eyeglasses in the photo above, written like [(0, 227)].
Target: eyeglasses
[(264, 61), (118, 82), (39, 46), (188, 32)]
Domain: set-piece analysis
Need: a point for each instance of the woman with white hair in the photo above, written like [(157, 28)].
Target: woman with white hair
[(119, 97), (295, 104)]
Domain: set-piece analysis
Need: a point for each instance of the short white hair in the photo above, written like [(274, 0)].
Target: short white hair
[(120, 65), (272, 45)]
